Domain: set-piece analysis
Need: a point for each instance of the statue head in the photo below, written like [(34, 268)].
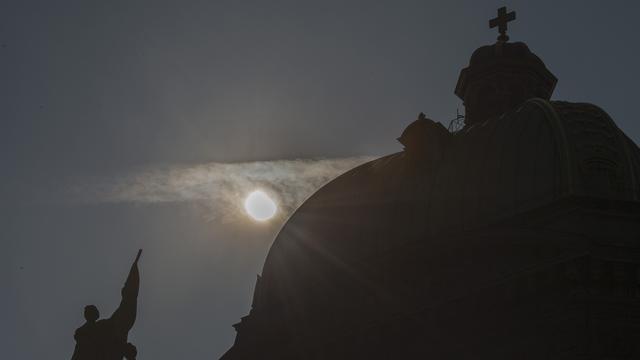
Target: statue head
[(91, 313)]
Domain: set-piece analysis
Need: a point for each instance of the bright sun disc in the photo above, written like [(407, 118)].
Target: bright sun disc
[(260, 206)]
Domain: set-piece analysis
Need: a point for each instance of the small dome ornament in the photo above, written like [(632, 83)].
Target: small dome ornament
[(425, 140)]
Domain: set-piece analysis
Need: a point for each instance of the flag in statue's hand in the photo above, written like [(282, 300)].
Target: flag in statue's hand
[(125, 315)]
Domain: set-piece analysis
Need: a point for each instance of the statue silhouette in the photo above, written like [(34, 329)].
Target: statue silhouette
[(106, 339)]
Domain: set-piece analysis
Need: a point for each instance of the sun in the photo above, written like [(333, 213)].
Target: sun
[(260, 206)]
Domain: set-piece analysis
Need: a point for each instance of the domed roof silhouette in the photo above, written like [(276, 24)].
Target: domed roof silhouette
[(328, 268), (522, 161)]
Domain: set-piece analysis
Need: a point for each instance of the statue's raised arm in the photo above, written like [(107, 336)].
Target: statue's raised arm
[(125, 316)]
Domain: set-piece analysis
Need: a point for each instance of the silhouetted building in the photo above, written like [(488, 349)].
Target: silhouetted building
[(517, 237)]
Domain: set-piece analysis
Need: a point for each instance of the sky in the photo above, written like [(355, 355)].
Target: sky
[(142, 124)]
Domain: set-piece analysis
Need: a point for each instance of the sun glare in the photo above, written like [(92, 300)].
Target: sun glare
[(260, 206)]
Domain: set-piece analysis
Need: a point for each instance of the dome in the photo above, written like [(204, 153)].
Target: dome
[(516, 51), (332, 265), (499, 78)]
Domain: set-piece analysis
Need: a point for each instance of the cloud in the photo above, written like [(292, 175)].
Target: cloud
[(222, 187)]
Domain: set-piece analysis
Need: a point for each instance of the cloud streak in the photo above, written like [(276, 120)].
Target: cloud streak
[(222, 187)]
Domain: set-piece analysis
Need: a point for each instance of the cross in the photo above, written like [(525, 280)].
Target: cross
[(501, 22)]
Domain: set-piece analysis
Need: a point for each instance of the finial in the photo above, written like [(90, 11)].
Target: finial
[(501, 22)]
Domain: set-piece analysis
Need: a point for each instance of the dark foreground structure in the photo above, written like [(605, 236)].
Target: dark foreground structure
[(515, 237), (106, 339)]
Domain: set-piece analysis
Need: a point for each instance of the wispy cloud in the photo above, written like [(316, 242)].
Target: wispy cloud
[(222, 187)]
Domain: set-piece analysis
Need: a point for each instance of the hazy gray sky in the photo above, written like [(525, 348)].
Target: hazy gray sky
[(105, 89)]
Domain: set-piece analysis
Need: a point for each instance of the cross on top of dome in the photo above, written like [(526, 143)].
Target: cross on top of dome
[(501, 22)]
